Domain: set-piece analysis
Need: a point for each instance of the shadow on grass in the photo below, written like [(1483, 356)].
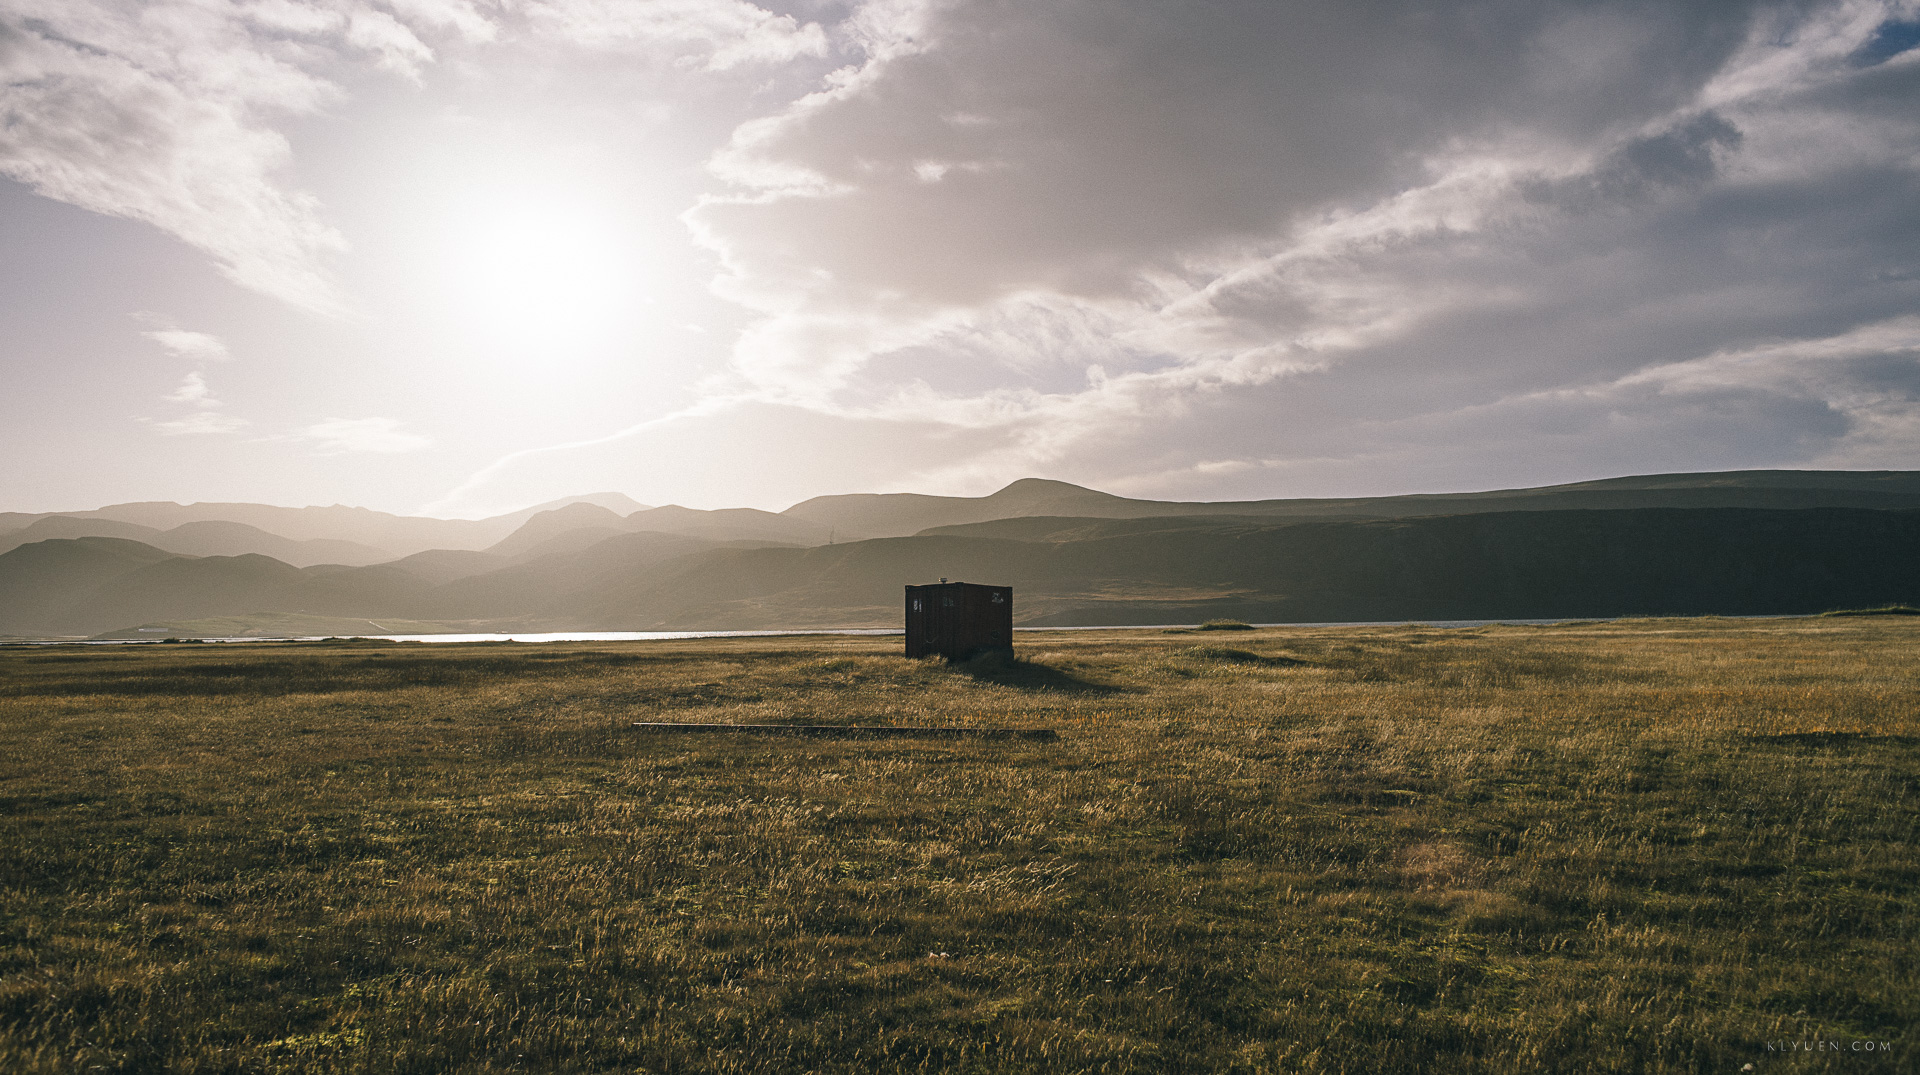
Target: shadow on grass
[(1004, 671), (1238, 656), (1835, 739)]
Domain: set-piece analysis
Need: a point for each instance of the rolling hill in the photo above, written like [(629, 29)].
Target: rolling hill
[(1518, 565), (392, 535), (356, 536), (899, 514), (855, 517), (206, 538), (1066, 571)]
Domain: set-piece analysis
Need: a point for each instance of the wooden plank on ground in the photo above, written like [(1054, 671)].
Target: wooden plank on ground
[(847, 731)]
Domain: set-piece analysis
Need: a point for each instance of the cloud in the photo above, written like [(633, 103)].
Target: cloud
[(193, 389), (201, 349), (1080, 143), (202, 422), (337, 436), (714, 34), (171, 112), (165, 113), (718, 456), (195, 346), (1890, 39), (1202, 248), (157, 113)]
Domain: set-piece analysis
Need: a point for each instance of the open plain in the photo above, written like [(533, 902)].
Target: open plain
[(1653, 845)]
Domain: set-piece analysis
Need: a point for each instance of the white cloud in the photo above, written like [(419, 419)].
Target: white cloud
[(193, 389), (376, 435), (166, 112), (202, 422), (714, 34), (335, 436), (171, 112), (387, 38), (199, 348), (194, 346), (462, 18)]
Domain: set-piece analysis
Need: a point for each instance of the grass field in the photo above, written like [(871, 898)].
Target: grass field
[(1637, 846)]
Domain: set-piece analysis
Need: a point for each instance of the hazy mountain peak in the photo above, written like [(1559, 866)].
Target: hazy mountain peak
[(728, 524), (618, 503), (1048, 491), (552, 523), (1046, 485), (580, 510)]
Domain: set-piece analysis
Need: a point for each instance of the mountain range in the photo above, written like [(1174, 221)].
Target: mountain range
[(1734, 543), (387, 535)]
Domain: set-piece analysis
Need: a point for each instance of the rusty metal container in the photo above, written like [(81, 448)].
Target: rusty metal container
[(958, 620)]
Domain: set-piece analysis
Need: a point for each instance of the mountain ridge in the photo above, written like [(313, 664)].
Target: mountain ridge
[(580, 564), (1486, 565), (396, 535), (858, 516), (208, 537)]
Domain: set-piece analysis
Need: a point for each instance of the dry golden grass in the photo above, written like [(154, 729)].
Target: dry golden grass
[(1636, 846)]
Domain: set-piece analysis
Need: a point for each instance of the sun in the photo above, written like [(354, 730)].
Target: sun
[(539, 270)]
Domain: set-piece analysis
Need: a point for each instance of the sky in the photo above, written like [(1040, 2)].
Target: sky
[(461, 256)]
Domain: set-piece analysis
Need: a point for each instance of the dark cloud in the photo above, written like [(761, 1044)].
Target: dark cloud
[(1161, 248), (1890, 39), (1681, 156), (1069, 145)]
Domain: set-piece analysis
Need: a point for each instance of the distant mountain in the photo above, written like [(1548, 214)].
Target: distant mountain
[(731, 524), (42, 527), (563, 587), (38, 582), (393, 535), (857, 516), (437, 566), (211, 538), (1534, 564), (1767, 489), (1516, 564), (1055, 528), (618, 503), (558, 522), (898, 514), (85, 586), (93, 585), (572, 524), (579, 526), (195, 586)]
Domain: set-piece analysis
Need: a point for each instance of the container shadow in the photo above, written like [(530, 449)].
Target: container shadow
[(1004, 671)]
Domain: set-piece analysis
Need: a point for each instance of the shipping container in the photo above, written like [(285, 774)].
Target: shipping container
[(958, 620)]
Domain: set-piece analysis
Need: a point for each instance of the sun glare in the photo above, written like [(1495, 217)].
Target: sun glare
[(533, 272)]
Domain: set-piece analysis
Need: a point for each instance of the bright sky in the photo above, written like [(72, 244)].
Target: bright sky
[(465, 255)]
